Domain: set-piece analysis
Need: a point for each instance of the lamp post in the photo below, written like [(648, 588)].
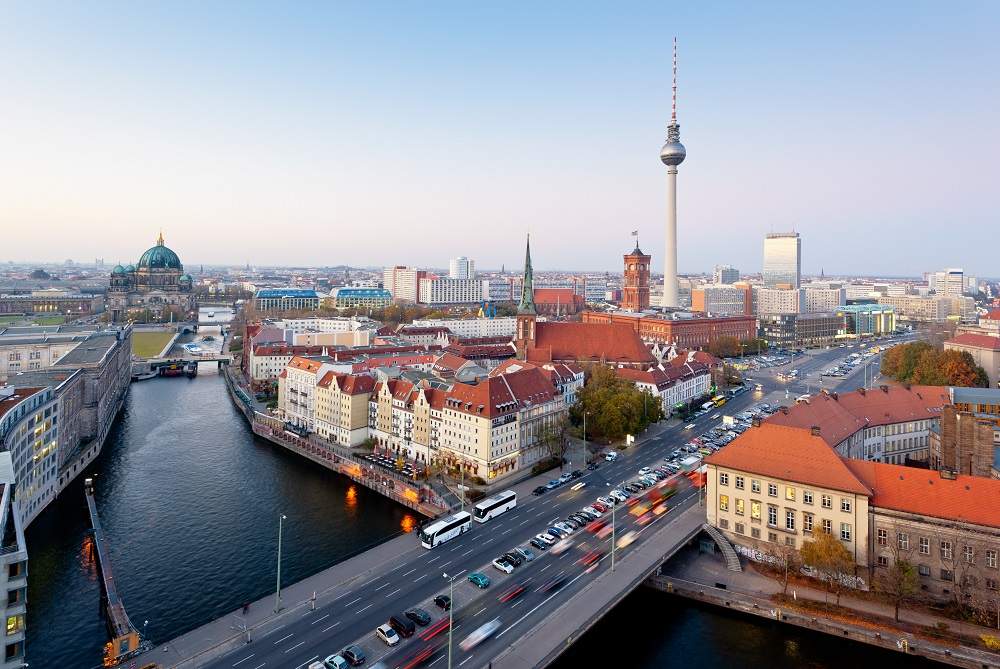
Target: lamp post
[(451, 611), (584, 438), (613, 507), (277, 589)]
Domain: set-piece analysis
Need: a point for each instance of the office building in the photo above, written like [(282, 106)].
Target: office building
[(685, 330), (502, 326), (816, 299), (462, 268), (778, 300), (277, 300), (862, 320), (782, 260), (916, 308), (722, 299), (445, 290), (949, 282), (725, 274), (403, 283), (359, 298), (635, 287)]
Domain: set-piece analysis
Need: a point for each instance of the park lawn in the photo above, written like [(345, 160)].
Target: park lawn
[(149, 344)]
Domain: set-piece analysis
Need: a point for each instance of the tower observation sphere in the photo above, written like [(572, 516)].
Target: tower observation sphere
[(673, 152)]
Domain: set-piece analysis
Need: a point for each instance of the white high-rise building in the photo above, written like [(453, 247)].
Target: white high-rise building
[(817, 299), (782, 260), (462, 268), (725, 274), (672, 154), (949, 282)]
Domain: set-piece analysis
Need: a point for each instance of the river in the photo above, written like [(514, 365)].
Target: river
[(190, 500)]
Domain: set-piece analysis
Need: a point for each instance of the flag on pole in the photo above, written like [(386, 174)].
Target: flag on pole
[(635, 233)]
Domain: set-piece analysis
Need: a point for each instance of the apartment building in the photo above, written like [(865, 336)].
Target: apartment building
[(675, 384), (471, 327), (722, 299), (917, 308), (778, 300), (341, 407), (820, 299), (13, 567)]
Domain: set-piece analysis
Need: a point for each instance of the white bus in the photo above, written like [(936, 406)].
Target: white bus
[(445, 529), (494, 506)]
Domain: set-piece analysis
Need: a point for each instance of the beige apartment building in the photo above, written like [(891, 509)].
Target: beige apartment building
[(341, 407)]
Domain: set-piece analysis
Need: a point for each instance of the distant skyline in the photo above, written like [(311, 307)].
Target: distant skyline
[(380, 134)]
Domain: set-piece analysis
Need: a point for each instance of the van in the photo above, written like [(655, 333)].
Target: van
[(403, 625)]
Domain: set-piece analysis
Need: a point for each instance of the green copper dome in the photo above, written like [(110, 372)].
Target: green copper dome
[(160, 257), (118, 270)]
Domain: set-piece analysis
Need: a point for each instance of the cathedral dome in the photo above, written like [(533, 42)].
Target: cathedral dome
[(160, 257)]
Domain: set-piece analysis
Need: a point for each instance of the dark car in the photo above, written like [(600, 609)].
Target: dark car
[(540, 490), (354, 654), (513, 558), (540, 545), (592, 466), (576, 473), (572, 522), (443, 602), (419, 616), (403, 625)]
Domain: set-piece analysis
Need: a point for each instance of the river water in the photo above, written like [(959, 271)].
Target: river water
[(189, 500)]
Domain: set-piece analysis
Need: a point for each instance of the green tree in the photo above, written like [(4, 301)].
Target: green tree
[(828, 556), (614, 406), (724, 347)]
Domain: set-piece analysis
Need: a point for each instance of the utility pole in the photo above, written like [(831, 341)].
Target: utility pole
[(451, 611), (277, 589)]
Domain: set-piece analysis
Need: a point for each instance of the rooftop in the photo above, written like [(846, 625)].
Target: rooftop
[(91, 350), (976, 341), (607, 342)]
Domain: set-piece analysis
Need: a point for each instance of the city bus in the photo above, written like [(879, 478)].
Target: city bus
[(719, 400), (445, 529), (494, 506)]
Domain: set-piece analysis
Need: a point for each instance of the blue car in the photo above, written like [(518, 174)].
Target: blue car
[(554, 483)]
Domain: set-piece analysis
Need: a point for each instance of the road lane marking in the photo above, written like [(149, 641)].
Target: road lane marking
[(319, 619), (260, 665), (464, 661), (392, 593), (283, 639), (307, 662), (460, 573), (478, 612), (507, 531), (436, 557), (445, 564), (436, 661), (463, 554), (545, 567), (357, 613), (384, 585), (545, 601), (353, 602), (244, 659), (410, 572), (330, 627), (523, 522), (300, 643), (419, 577)]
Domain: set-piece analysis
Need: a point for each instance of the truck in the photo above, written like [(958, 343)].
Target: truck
[(690, 463)]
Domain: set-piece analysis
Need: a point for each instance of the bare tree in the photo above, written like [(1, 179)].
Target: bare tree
[(787, 559)]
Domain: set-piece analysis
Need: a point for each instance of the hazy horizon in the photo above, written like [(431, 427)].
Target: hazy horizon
[(373, 135)]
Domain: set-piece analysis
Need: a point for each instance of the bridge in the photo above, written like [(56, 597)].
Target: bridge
[(126, 642), (542, 607)]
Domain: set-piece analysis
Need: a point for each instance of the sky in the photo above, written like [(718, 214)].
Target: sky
[(372, 134)]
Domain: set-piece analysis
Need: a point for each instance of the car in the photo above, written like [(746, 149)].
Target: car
[(545, 539), (554, 533), (513, 558), (611, 456), (443, 602), (564, 527), (419, 616), (644, 470), (336, 662), (354, 654), (403, 625), (540, 490), (554, 583), (538, 543), (578, 485), (607, 501), (479, 580), (565, 477), (525, 553), (386, 634), (503, 566), (576, 473), (480, 634), (553, 484), (627, 539), (593, 510), (562, 546), (572, 522), (592, 466)]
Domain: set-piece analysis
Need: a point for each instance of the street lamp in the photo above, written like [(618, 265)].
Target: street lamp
[(451, 611), (613, 507), (277, 589), (584, 438)]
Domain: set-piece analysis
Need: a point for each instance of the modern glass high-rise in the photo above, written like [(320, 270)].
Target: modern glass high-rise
[(462, 268), (782, 260)]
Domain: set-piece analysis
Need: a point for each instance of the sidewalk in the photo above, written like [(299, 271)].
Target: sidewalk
[(711, 569)]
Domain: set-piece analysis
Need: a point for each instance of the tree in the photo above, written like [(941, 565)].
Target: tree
[(554, 438), (899, 582), (787, 559), (614, 406), (828, 556), (724, 347), (921, 362)]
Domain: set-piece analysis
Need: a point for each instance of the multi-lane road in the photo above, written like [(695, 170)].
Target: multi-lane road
[(349, 615)]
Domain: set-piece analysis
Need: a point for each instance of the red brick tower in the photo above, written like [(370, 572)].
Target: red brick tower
[(635, 289)]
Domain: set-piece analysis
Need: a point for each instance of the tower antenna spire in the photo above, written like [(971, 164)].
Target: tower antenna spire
[(673, 105)]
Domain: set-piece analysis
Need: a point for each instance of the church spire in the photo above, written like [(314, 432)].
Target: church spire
[(527, 304), (159, 240)]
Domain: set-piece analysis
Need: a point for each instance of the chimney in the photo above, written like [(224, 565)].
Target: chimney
[(884, 389), (815, 430), (755, 421), (949, 474)]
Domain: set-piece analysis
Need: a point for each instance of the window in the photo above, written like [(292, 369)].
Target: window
[(991, 559), (969, 554), (772, 537), (883, 561), (739, 482), (883, 537), (903, 541), (827, 501), (790, 541), (923, 570), (754, 485), (991, 583), (755, 510), (739, 507), (772, 515), (15, 624), (845, 531), (790, 520), (845, 505), (740, 528), (723, 502), (772, 490), (724, 523), (807, 496), (828, 526), (807, 522), (755, 532), (925, 546), (790, 493), (723, 479), (946, 550)]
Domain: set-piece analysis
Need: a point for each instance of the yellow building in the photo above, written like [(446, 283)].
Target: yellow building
[(341, 407)]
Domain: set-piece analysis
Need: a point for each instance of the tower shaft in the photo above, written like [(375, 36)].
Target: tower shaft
[(670, 298)]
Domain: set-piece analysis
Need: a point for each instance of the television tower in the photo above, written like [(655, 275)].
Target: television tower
[(672, 154)]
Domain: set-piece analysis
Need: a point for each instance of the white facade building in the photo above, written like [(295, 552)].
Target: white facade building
[(817, 300), (441, 290), (777, 300), (462, 268), (472, 327)]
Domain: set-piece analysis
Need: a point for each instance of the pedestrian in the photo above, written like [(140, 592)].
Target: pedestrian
[(246, 607)]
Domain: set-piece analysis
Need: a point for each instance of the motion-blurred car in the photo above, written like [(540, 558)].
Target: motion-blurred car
[(482, 633)]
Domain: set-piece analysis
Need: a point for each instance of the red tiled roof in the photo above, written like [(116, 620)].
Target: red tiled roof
[(840, 415), (993, 315), (970, 499), (976, 341), (450, 361), (20, 394), (554, 296), (608, 342), (499, 395), (435, 397), (305, 364), (788, 453), (284, 349)]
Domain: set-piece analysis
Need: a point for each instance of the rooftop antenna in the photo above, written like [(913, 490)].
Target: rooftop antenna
[(673, 105)]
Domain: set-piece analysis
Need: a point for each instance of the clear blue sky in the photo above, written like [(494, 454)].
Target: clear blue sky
[(375, 134)]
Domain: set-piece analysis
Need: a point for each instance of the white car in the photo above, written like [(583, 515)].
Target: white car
[(545, 539), (565, 527), (503, 566), (387, 634), (610, 456), (643, 471), (562, 546), (481, 634), (618, 495), (607, 501), (592, 510)]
